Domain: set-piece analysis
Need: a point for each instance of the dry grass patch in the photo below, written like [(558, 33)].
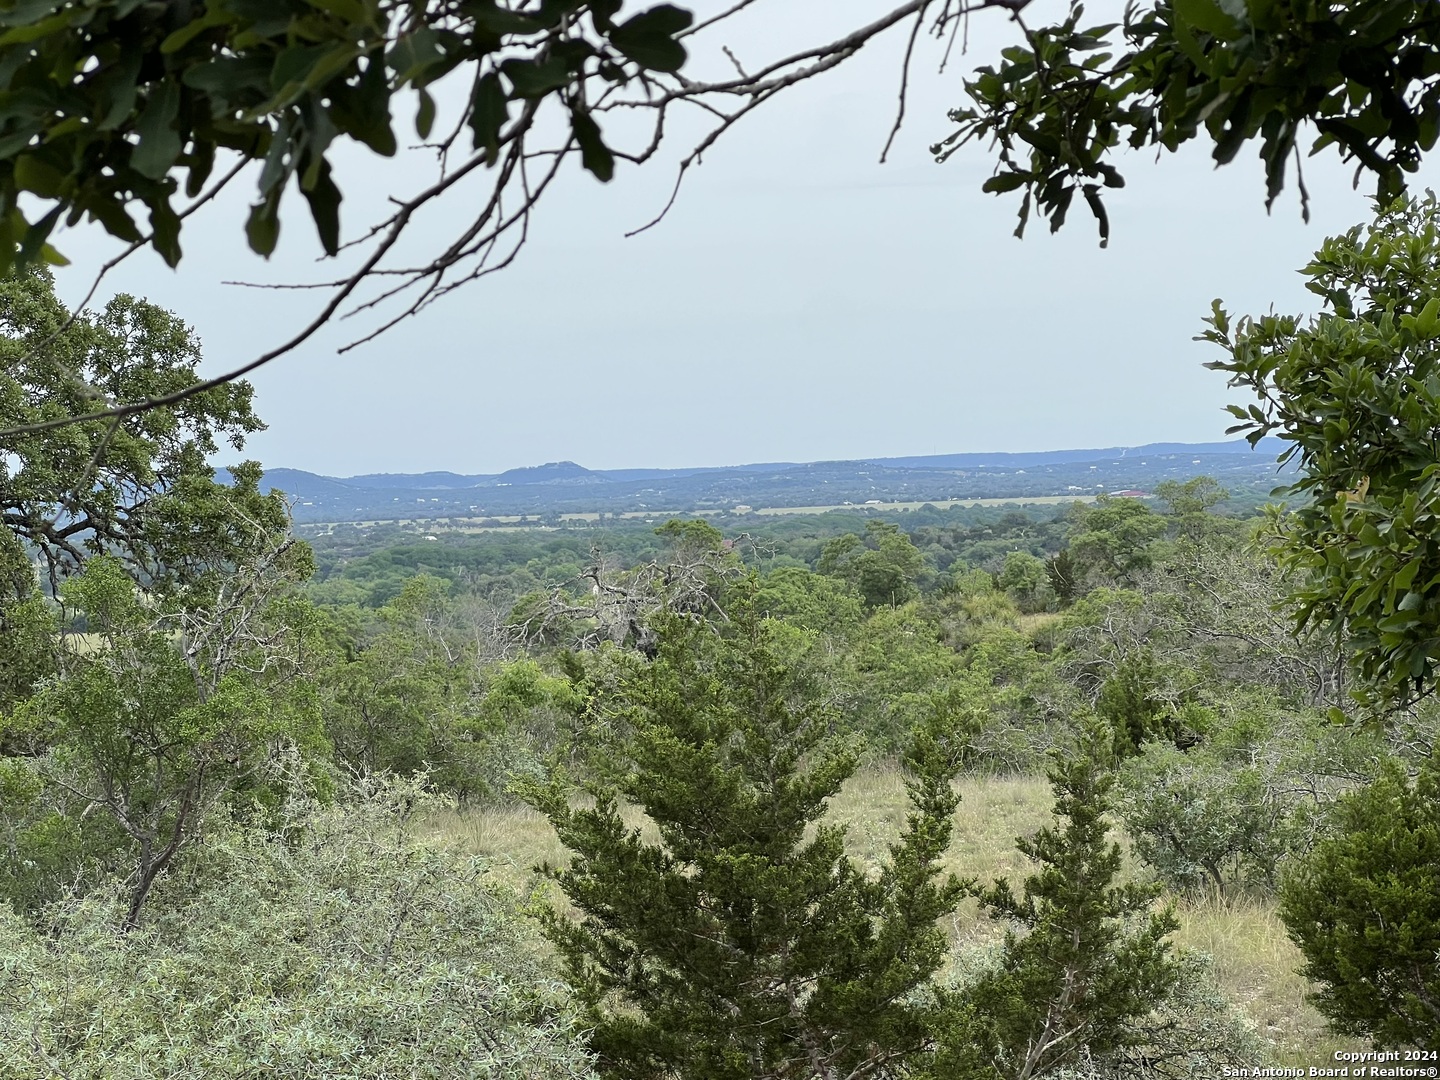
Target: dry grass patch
[(1257, 965)]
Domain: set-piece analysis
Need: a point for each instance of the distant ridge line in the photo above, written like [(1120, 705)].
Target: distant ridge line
[(566, 472), (560, 488)]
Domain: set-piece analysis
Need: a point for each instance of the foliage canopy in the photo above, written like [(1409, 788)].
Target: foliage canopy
[(104, 108), (1364, 73), (1356, 391)]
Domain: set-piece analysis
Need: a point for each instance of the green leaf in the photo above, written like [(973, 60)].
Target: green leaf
[(489, 111), (34, 175), (425, 115), (595, 156), (1209, 16), (110, 212), (413, 54), (294, 65), (37, 234), (1428, 321), (216, 16), (1406, 575), (262, 228), (490, 16), (1008, 181), (324, 199), (536, 78), (23, 35), (364, 111), (278, 162), (116, 88), (26, 12), (649, 37), (227, 78), (159, 141), (165, 233)]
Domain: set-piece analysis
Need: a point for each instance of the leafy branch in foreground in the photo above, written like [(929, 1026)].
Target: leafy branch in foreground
[(1356, 391), (1365, 74), (105, 107)]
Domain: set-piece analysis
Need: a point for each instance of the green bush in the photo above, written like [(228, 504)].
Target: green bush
[(1085, 958), (330, 946), (1364, 907), (1252, 792), (1197, 819), (745, 943), (1192, 1032)]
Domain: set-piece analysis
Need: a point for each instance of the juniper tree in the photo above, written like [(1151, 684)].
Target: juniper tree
[(1086, 959), (1364, 907), (744, 943)]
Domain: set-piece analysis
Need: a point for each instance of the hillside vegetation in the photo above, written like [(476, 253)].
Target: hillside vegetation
[(1132, 651)]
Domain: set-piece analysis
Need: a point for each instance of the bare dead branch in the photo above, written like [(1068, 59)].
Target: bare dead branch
[(904, 86)]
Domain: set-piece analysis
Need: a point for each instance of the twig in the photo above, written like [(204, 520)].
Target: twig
[(904, 85)]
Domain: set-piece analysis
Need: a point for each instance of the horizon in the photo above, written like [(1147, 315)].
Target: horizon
[(868, 458)]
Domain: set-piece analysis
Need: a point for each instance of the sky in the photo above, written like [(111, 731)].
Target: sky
[(800, 302)]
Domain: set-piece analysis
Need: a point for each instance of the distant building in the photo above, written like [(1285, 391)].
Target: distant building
[(1130, 493)]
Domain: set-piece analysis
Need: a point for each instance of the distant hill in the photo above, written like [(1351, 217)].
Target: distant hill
[(556, 472), (415, 481), (565, 487), (1269, 446)]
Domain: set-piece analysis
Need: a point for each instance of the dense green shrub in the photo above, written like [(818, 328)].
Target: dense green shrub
[(1024, 577), (1191, 1033), (745, 944), (1085, 959), (1364, 907), (1199, 819), (329, 946), (1252, 792)]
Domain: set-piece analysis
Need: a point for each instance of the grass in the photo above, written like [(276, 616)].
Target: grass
[(1255, 963)]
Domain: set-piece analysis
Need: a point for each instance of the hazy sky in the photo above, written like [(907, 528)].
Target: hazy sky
[(801, 302)]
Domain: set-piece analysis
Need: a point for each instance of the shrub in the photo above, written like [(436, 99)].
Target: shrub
[(745, 944), (1364, 907), (1197, 819), (1085, 959), (331, 945)]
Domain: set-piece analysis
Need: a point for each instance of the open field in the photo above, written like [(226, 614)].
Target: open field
[(1254, 961), (512, 522)]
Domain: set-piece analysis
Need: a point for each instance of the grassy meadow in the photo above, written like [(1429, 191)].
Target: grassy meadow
[(1254, 962)]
